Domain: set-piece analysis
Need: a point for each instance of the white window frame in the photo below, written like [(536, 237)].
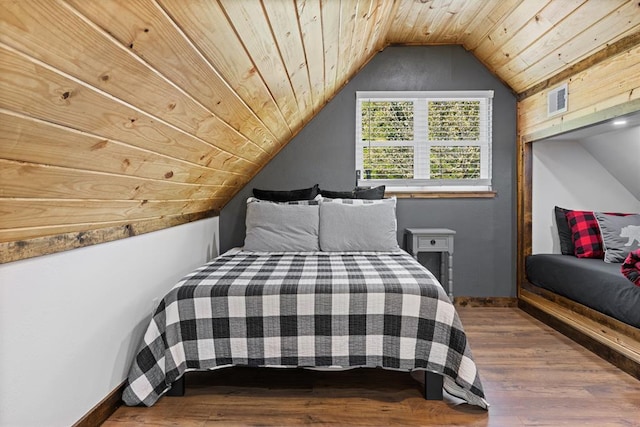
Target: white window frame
[(422, 145)]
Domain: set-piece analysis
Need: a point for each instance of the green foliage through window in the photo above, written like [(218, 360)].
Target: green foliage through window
[(457, 162), (387, 121), (423, 139), (388, 163), (454, 120)]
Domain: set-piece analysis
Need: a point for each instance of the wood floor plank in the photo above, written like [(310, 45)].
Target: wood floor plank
[(532, 376)]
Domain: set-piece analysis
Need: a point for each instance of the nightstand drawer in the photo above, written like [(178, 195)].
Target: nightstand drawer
[(433, 243)]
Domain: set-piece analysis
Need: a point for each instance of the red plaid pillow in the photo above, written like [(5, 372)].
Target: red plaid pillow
[(585, 233), (631, 267)]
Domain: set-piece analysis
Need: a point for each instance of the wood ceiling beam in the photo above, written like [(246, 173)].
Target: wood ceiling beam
[(613, 49)]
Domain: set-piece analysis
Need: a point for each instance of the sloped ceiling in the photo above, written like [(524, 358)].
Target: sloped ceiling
[(116, 112), (621, 162)]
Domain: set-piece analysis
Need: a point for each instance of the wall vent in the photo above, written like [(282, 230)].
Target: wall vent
[(557, 100)]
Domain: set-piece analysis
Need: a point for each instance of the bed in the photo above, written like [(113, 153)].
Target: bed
[(588, 281), (323, 308), (588, 291), (593, 246)]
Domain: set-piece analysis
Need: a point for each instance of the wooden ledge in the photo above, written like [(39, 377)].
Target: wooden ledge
[(612, 340), (444, 195), (23, 249)]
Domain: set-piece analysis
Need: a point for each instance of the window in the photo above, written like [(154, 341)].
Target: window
[(424, 141)]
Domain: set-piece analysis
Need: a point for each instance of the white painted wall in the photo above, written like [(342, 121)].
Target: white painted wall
[(71, 322), (619, 153), (565, 174)]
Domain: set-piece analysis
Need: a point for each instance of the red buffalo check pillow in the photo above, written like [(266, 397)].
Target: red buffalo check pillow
[(631, 267), (585, 234)]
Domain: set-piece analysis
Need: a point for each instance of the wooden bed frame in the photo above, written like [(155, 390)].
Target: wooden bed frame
[(614, 341), (433, 384)]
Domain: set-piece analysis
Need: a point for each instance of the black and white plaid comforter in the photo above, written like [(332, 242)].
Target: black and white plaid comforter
[(322, 309)]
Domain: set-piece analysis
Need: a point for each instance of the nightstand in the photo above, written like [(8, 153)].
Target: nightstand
[(434, 240)]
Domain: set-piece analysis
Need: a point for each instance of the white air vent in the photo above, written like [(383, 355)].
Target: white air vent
[(557, 100)]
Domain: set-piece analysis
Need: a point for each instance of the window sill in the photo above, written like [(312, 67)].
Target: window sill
[(442, 194)]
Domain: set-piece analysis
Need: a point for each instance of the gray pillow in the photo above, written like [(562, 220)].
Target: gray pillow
[(620, 235), (282, 227), (358, 225)]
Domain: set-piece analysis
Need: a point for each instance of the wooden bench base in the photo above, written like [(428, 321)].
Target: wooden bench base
[(614, 341)]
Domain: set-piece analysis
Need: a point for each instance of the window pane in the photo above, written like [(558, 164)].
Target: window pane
[(457, 162), (388, 163), (387, 121), (454, 120), (424, 141)]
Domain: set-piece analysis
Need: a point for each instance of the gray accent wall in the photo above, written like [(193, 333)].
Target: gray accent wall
[(324, 153)]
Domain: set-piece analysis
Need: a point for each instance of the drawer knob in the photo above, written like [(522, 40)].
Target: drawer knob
[(433, 242)]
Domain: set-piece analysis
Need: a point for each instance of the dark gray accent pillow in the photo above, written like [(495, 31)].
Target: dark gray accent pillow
[(358, 225), (374, 193), (282, 227), (368, 193), (337, 194), (620, 235), (564, 232), (287, 195)]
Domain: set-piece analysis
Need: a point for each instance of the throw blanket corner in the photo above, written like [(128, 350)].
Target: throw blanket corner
[(631, 267)]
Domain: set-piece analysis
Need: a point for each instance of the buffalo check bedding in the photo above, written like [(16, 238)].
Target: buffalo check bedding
[(317, 309)]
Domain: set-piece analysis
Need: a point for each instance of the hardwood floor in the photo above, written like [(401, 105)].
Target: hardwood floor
[(532, 376)]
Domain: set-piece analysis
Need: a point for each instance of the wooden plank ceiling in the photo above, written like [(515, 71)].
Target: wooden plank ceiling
[(117, 112)]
